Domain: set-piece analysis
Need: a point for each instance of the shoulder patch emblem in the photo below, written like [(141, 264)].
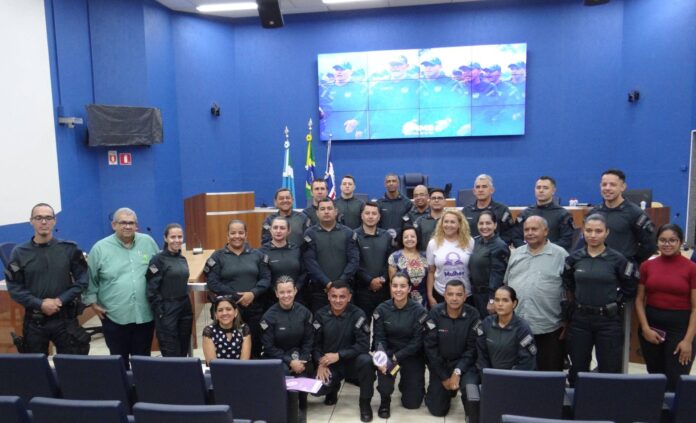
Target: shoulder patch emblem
[(308, 238), (263, 325), (430, 324), (316, 325), (153, 269), (375, 316), (211, 262), (359, 323), (527, 340)]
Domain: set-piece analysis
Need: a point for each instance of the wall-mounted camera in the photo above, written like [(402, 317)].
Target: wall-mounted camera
[(633, 96), (215, 110)]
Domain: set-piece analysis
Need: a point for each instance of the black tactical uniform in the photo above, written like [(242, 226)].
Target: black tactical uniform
[(394, 212), (349, 336), (287, 261), (167, 291), (399, 333), (374, 253), (487, 266), (414, 214), (311, 212), (502, 214), (631, 232), (425, 226), (349, 210), (56, 269), (329, 256), (450, 345), (299, 222), (599, 285), (508, 348), (229, 274), (288, 335), (560, 222)]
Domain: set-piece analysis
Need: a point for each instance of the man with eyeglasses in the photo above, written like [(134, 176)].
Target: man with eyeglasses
[(47, 275), (420, 203), (425, 225), (117, 286)]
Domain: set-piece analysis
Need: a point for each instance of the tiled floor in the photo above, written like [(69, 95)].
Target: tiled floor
[(346, 410)]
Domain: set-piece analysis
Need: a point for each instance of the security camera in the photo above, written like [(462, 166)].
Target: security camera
[(215, 110)]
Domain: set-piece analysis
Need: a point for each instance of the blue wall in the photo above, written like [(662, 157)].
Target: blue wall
[(582, 63)]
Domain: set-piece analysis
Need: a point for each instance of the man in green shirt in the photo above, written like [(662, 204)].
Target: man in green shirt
[(117, 286)]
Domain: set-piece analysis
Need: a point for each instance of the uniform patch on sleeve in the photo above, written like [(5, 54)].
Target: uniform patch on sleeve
[(375, 316), (153, 269), (423, 318), (405, 218), (527, 340), (359, 323), (430, 324), (265, 258), (520, 219), (478, 328), (316, 325), (507, 217), (355, 236), (14, 267), (263, 325), (629, 270), (568, 266), (532, 349), (211, 262), (267, 226), (308, 239)]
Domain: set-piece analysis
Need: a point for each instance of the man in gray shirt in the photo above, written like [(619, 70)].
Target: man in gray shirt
[(534, 271)]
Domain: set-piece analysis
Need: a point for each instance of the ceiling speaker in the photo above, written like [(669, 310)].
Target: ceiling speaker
[(269, 12)]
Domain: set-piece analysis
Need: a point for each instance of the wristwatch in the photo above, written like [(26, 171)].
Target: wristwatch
[(457, 371)]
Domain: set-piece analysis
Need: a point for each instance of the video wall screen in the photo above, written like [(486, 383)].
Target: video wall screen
[(428, 93)]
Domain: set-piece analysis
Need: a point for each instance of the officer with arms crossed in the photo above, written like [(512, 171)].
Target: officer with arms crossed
[(450, 345), (47, 275), (117, 286), (298, 221), (560, 221), (341, 345), (349, 207), (331, 254)]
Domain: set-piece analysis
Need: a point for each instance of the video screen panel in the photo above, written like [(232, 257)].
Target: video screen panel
[(428, 93)]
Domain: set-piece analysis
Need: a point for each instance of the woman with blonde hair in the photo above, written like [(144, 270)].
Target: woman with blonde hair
[(448, 255)]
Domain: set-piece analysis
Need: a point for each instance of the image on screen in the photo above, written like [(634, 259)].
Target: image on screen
[(428, 93)]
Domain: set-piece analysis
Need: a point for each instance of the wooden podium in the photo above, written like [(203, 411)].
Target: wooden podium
[(206, 217)]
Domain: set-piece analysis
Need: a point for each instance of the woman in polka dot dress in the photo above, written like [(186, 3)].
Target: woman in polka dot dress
[(227, 337)]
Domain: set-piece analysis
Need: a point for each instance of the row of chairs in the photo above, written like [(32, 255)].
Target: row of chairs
[(255, 389), (55, 410), (619, 398)]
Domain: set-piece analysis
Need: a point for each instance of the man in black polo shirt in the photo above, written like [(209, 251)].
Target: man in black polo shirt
[(483, 191), (299, 222), (393, 207), (319, 191), (348, 206)]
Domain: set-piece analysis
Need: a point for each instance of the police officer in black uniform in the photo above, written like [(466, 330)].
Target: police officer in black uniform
[(288, 334), (242, 272), (349, 207), (375, 246), (299, 221), (425, 225), (598, 280), (341, 345), (284, 257), (483, 190), (561, 228), (450, 345), (631, 232), (420, 204), (167, 291), (507, 341), (319, 191), (331, 254), (47, 275), (393, 207), (398, 331), (487, 264)]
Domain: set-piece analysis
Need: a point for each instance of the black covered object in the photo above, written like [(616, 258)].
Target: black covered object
[(123, 125)]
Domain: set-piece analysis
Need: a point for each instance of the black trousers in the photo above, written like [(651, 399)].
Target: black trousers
[(360, 366), (369, 300), (252, 317), (316, 297), (604, 333), (411, 382), (660, 358), (173, 328), (438, 399), (38, 332), (480, 302), (550, 351), (128, 340)]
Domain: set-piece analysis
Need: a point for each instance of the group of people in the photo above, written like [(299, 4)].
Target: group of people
[(413, 282)]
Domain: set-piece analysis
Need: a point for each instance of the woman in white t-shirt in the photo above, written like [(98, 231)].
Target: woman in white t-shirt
[(448, 255)]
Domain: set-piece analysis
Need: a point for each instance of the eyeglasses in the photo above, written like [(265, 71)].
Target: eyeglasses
[(437, 198), (668, 241), (43, 218), (127, 223)]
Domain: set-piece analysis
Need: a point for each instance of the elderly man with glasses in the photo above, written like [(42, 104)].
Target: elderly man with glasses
[(117, 286)]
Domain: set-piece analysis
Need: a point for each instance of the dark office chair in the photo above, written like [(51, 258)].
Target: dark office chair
[(146, 412), (5, 251), (55, 410), (682, 406), (27, 376), (508, 418), (518, 392), (255, 389), (169, 380), (93, 377), (409, 181), (619, 397), (465, 197), (12, 410), (637, 195)]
